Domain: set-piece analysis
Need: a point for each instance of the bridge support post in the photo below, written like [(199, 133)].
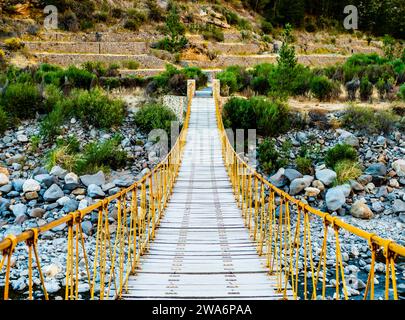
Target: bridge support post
[(216, 88), (191, 87)]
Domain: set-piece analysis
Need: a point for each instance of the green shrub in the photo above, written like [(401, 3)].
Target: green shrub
[(347, 170), (197, 74), (213, 33), (154, 116), (260, 77), (301, 83), (96, 67), (69, 21), (269, 158), (323, 88), (79, 78), (233, 79), (50, 127), (175, 40), (13, 44), (22, 100), (132, 24), (366, 89), (239, 114), (3, 120), (103, 156), (401, 93), (95, 108), (52, 96), (130, 64), (267, 27), (101, 16), (304, 165), (339, 153)]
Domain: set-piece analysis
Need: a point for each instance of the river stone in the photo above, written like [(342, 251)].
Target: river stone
[(377, 207), (31, 185), (312, 192), (18, 184), (98, 179), (71, 178), (70, 206), (319, 185), (31, 195), (361, 210), (94, 191), (4, 204), (347, 137), (87, 227), (346, 189), (326, 176), (45, 178), (4, 171), (297, 186), (292, 174), (279, 180), (58, 172), (19, 209), (6, 188), (398, 206), (335, 198), (356, 186), (107, 186), (53, 193), (52, 270), (36, 213), (399, 167), (124, 182), (52, 286), (376, 170), (3, 179), (364, 179), (83, 204)]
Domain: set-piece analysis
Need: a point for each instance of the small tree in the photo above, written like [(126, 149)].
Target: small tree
[(175, 40), (389, 46)]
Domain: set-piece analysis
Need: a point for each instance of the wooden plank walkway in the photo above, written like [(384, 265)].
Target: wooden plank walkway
[(202, 248)]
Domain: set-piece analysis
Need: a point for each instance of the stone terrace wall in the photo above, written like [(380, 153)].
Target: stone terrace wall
[(89, 47), (250, 61), (234, 48), (145, 61)]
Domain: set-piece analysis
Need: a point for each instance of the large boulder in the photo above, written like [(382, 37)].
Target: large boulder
[(347, 137), (335, 199), (278, 179), (94, 191), (71, 178), (297, 186), (4, 179), (58, 172), (53, 193), (45, 179), (292, 174), (98, 179), (361, 210), (326, 176), (399, 167)]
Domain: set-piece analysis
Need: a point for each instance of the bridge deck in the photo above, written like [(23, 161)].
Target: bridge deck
[(202, 249)]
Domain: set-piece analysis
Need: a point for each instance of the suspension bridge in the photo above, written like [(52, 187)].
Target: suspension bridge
[(203, 225)]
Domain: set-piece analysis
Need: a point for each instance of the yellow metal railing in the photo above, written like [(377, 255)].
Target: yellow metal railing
[(281, 227), (118, 248)]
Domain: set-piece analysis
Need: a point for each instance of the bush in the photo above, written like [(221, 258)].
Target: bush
[(213, 33), (268, 117), (68, 21), (267, 27), (301, 84), (366, 89), (269, 158), (401, 93), (233, 79), (132, 24), (130, 64), (347, 170), (101, 16), (369, 120), (3, 120), (304, 165), (52, 96), (323, 88), (13, 44), (339, 153), (260, 77), (102, 156), (22, 100), (50, 126), (155, 116), (96, 67)]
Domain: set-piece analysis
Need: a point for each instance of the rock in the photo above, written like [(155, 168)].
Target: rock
[(19, 284), (347, 137), (87, 227), (308, 180), (143, 173), (356, 186), (312, 192), (278, 179), (319, 185), (6, 188), (292, 174), (107, 186), (31, 185), (94, 191), (297, 186), (3, 179), (36, 213), (361, 210), (326, 176), (45, 178), (31, 195), (376, 170), (394, 183), (53, 193), (58, 172), (398, 206), (22, 138), (346, 189), (401, 217), (18, 184), (399, 167), (52, 286), (52, 270), (70, 206), (79, 191), (370, 187), (377, 207), (19, 209), (20, 219), (381, 141), (335, 199), (83, 204), (4, 171), (98, 179), (124, 182), (71, 178), (4, 204), (113, 191), (364, 179)]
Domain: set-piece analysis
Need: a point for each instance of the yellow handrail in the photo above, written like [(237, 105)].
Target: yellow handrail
[(139, 209), (281, 239)]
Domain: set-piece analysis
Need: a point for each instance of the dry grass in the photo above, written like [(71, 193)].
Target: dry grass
[(347, 170)]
